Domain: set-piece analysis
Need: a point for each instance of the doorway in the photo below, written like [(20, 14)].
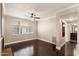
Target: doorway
[(71, 36)]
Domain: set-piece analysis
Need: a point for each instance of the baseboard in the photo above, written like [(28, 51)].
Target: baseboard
[(5, 44), (28, 40), (59, 47), (47, 41)]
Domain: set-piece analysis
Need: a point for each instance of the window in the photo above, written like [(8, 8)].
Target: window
[(22, 27), (26, 29), (15, 27)]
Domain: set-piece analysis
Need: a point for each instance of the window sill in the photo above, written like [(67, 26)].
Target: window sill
[(23, 33)]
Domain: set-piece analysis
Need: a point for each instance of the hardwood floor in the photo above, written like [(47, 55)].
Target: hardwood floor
[(40, 48), (69, 48), (45, 49)]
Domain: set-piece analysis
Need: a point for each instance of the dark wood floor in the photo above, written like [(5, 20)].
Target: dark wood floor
[(41, 48), (69, 48)]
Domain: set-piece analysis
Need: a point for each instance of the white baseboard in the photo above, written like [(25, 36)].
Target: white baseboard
[(59, 47), (47, 41), (18, 41), (28, 40)]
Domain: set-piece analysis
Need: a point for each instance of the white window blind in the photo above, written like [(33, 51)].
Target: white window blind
[(22, 27)]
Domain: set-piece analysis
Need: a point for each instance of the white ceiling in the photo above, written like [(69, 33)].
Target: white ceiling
[(42, 9)]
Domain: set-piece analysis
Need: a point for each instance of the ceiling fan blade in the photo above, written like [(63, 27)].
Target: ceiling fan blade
[(37, 17), (27, 15)]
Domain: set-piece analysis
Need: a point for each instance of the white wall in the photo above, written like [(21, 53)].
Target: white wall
[(0, 20), (0, 29), (68, 33), (50, 30), (3, 26), (60, 39), (78, 26), (78, 32), (10, 37), (47, 30)]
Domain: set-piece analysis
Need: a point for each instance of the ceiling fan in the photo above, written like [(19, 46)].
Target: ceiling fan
[(33, 15)]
